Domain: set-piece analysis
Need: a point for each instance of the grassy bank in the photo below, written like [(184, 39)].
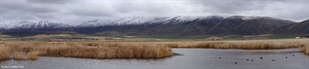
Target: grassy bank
[(31, 50)]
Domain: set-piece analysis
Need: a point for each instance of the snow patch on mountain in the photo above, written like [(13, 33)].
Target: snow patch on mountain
[(165, 20), (123, 21), (5, 26), (250, 17), (95, 23), (41, 24), (138, 20)]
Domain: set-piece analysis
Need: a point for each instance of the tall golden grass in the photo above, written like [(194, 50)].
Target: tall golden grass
[(31, 50), (4, 53), (112, 50), (32, 55), (18, 55), (305, 49), (250, 44)]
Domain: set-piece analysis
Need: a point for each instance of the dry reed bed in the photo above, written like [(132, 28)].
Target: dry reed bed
[(108, 50), (305, 49), (31, 50), (249, 44)]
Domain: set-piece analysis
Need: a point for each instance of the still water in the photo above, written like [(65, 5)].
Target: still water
[(191, 59)]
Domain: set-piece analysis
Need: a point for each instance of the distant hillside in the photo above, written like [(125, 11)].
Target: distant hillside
[(165, 26), (301, 28), (3, 27), (187, 26), (26, 28)]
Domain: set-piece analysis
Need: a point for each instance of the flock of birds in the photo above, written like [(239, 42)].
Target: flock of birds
[(260, 58)]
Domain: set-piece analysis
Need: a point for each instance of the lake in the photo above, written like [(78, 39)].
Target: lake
[(190, 59)]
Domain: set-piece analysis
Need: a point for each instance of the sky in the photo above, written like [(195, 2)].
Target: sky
[(70, 11)]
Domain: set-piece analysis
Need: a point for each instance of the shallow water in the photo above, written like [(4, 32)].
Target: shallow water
[(191, 59)]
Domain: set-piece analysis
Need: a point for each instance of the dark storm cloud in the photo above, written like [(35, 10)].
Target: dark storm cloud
[(74, 10)]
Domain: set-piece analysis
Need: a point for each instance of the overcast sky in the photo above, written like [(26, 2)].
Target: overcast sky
[(78, 10)]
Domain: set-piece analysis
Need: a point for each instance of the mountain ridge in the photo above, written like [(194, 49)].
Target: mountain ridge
[(162, 26), (301, 28), (182, 26)]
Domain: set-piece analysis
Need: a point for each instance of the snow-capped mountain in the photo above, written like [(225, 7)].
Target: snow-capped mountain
[(149, 20), (5, 26), (40, 24), (139, 20), (153, 26), (28, 28), (123, 21), (177, 19), (189, 25), (95, 23), (251, 17)]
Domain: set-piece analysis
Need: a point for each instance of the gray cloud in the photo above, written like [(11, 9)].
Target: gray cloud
[(76, 10), (90, 9), (231, 7), (49, 1), (25, 7), (295, 10)]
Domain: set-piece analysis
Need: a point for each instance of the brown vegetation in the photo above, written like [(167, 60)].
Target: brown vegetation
[(111, 50), (18, 55), (251, 44), (305, 49), (32, 55), (31, 50), (4, 53)]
